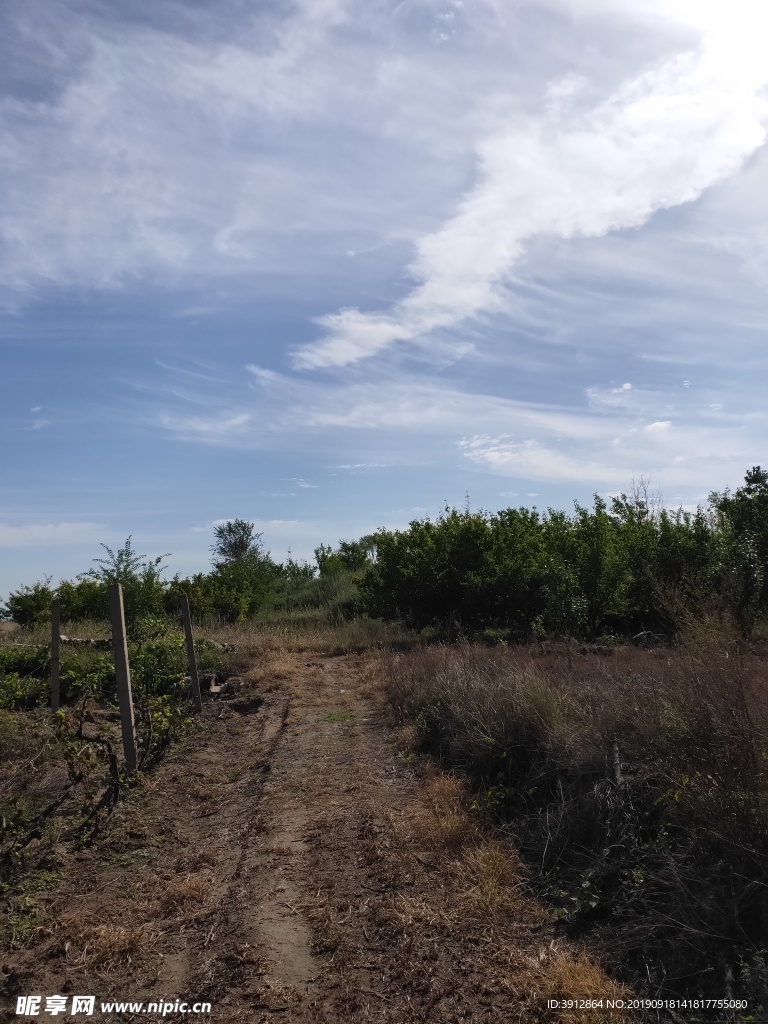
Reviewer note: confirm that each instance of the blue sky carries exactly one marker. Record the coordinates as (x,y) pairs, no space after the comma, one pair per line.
(329,264)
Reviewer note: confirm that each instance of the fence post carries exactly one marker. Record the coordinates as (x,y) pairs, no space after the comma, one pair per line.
(197,700)
(616,763)
(123,674)
(55,635)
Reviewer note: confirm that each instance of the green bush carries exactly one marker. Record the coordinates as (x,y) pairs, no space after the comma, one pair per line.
(84,600)
(21,691)
(30,606)
(631,568)
(143,587)
(82,670)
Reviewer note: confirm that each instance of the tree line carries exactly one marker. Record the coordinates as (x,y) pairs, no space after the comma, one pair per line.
(621,568)
(244,580)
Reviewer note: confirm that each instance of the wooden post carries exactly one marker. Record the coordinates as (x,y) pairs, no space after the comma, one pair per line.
(55,636)
(197,700)
(616,763)
(123,674)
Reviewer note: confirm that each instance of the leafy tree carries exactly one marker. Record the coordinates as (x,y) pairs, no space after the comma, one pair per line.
(296,573)
(328,561)
(466,570)
(743,522)
(236,541)
(143,587)
(244,572)
(352,556)
(565,607)
(598,564)
(199,589)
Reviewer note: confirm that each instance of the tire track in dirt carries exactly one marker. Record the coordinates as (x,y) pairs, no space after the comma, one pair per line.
(318,794)
(228,828)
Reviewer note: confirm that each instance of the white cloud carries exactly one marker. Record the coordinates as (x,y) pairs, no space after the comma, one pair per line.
(607,435)
(303,483)
(221,429)
(659,141)
(687,455)
(39,534)
(232,145)
(531,459)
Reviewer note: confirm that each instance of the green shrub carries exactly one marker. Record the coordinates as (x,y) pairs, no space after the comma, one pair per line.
(20,692)
(84,669)
(143,588)
(30,606)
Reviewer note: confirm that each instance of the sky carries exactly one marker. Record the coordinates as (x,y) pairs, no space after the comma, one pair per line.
(330,265)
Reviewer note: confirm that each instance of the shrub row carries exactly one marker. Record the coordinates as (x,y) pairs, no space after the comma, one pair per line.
(622,570)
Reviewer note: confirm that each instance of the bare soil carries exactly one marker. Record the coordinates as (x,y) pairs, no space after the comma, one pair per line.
(285,862)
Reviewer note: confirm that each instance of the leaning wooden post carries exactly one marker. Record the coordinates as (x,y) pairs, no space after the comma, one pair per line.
(123,674)
(194,685)
(55,638)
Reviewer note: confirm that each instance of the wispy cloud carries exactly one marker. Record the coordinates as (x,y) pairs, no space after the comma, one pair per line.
(221,429)
(303,484)
(605,434)
(686,454)
(659,141)
(533,460)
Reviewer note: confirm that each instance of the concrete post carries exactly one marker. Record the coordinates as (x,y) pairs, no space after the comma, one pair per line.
(123,674)
(55,666)
(197,699)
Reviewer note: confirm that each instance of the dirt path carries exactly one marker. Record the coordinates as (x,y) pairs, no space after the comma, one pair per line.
(285,864)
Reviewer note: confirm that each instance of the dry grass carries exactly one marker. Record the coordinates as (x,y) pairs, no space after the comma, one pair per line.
(557,972)
(184,893)
(492,882)
(254,638)
(203,792)
(108,946)
(273,665)
(483,899)
(196,858)
(631,855)
(440,815)
(41,634)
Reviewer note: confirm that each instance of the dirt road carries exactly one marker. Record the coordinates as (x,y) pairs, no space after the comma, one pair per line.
(286,863)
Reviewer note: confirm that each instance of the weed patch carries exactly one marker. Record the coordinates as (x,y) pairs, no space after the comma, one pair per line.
(338,716)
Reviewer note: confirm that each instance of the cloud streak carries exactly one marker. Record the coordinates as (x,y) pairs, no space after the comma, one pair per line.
(659,141)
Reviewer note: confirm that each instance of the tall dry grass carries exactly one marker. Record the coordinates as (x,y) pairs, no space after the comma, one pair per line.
(634,782)
(296,635)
